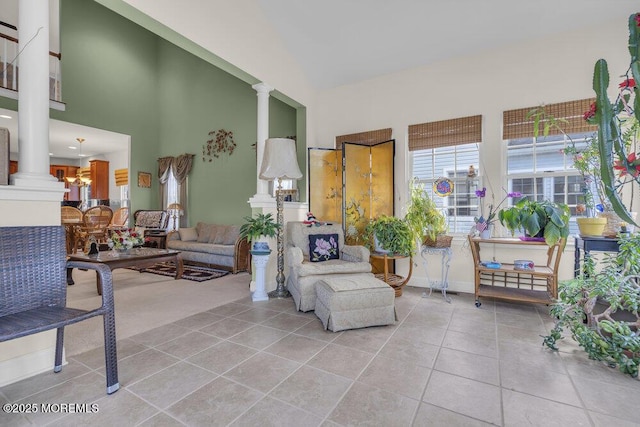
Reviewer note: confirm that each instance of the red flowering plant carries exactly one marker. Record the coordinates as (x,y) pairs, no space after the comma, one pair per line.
(618,129)
(482,221)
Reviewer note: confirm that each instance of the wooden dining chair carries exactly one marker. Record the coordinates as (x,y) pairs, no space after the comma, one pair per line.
(72,220)
(96,221)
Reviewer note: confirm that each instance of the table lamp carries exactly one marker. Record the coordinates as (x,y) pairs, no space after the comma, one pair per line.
(177,211)
(280,161)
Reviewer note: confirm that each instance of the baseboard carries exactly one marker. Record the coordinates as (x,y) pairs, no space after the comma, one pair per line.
(26,366)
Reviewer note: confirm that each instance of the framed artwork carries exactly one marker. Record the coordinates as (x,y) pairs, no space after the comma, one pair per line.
(144,179)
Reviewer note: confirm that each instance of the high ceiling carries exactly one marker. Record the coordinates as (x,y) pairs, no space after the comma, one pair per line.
(339,42)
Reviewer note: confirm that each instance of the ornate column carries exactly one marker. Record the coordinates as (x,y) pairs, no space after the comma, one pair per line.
(262,186)
(33,96)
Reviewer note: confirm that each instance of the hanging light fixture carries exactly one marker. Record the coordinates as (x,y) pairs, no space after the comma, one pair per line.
(82,178)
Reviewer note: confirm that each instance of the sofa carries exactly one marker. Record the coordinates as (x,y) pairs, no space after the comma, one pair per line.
(308,266)
(218,246)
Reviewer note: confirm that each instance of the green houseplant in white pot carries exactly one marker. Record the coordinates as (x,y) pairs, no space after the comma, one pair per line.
(256,229)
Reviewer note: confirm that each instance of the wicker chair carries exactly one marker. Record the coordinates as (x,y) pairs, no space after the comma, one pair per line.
(72,220)
(96,222)
(33,291)
(120,219)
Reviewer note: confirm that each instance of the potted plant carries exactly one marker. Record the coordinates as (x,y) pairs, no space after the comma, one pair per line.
(255,229)
(426,221)
(537,219)
(610,302)
(391,235)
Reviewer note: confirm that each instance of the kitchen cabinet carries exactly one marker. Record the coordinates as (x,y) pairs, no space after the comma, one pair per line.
(99,179)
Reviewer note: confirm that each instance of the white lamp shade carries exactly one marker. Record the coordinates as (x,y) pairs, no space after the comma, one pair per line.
(280,160)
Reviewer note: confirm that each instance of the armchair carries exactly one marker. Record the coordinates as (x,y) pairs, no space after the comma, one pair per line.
(303,274)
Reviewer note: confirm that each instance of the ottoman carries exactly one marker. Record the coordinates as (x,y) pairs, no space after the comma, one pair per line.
(354,302)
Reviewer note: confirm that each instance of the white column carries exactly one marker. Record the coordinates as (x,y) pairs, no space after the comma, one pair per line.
(33,96)
(263,89)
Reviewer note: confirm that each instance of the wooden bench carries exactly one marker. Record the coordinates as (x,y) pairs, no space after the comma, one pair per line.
(33,291)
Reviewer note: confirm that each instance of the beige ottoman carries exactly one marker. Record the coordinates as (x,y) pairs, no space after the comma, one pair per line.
(354,302)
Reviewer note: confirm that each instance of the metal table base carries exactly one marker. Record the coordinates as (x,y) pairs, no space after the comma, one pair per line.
(442,285)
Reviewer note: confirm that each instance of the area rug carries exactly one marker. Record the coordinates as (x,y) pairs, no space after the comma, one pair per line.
(191,272)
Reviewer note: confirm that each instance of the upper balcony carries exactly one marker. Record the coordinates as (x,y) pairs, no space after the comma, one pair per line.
(9,65)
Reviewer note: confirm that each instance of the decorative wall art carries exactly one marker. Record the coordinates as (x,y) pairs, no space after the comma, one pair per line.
(221,142)
(144,179)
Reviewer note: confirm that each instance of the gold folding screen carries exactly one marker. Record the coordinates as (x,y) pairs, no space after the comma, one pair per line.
(325,182)
(351,196)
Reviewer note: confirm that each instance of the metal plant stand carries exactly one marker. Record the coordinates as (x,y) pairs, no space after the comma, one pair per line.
(445,254)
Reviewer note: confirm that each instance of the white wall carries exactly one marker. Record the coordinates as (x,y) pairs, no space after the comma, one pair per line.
(545,71)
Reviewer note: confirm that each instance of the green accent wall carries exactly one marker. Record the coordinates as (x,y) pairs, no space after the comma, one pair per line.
(123,78)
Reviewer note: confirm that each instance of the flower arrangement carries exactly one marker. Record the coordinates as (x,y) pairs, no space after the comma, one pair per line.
(482,222)
(123,239)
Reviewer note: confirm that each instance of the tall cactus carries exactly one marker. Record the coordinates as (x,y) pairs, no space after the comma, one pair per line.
(610,138)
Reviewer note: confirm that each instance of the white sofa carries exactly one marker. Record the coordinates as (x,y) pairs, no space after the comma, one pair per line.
(304,274)
(218,246)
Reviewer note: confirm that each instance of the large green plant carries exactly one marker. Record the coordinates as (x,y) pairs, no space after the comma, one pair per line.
(423,215)
(533,217)
(260,225)
(393,234)
(610,301)
(610,118)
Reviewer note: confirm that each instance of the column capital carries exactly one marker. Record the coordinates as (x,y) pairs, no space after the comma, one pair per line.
(262,88)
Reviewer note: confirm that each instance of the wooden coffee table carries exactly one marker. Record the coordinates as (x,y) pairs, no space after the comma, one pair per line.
(137,257)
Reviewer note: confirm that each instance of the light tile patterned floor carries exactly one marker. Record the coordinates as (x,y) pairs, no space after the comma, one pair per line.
(259,364)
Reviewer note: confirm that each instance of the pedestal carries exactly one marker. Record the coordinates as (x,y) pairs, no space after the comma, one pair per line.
(260,260)
(443,284)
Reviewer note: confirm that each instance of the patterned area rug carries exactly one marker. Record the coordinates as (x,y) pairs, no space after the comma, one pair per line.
(191,272)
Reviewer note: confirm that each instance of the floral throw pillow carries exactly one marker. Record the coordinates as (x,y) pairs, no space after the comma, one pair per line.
(323,247)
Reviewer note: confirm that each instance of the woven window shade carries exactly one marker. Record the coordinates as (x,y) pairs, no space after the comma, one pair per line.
(516,125)
(122,177)
(365,138)
(444,133)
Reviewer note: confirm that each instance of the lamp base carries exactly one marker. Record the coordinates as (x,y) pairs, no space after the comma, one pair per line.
(279,293)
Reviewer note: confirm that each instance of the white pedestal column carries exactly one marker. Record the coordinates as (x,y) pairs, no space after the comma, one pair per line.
(33,96)
(260,261)
(262,187)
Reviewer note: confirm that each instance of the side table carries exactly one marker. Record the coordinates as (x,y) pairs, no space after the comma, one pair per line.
(445,254)
(156,239)
(588,244)
(393,280)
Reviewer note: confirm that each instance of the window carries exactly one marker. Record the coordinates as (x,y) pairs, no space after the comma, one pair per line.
(537,166)
(448,149)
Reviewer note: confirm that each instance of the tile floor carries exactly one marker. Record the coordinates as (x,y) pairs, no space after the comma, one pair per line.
(260,364)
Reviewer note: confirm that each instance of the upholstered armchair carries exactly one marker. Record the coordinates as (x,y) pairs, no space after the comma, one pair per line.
(308,265)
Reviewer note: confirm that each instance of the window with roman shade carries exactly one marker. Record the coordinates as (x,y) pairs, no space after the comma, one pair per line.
(449,149)
(537,166)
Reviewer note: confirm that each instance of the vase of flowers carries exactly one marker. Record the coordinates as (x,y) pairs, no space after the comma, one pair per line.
(485,224)
(124,239)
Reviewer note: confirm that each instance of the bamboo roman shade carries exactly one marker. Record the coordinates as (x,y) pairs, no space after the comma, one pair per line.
(444,133)
(515,123)
(122,177)
(365,138)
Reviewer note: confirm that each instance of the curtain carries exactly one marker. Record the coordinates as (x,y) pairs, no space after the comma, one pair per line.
(180,167)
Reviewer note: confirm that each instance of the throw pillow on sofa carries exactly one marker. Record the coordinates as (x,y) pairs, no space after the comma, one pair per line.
(188,234)
(204,231)
(323,247)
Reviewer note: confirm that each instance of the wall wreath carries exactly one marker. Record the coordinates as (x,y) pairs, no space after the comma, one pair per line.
(221,142)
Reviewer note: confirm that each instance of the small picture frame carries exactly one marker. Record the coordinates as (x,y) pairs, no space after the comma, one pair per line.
(144,179)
